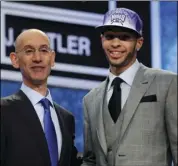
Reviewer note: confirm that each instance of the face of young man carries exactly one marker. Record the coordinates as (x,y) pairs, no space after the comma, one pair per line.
(120,49)
(34,58)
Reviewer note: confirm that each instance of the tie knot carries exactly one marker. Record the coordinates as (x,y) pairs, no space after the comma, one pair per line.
(46,103)
(117,81)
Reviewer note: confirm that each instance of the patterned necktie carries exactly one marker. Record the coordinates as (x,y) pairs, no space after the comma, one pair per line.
(50,133)
(115,101)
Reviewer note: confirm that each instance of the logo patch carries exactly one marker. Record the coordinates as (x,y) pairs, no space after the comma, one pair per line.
(118,17)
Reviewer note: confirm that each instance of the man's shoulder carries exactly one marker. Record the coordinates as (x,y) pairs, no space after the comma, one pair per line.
(162,72)
(94,91)
(159,72)
(5,101)
(8,103)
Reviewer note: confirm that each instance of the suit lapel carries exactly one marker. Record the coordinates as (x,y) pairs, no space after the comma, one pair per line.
(139,87)
(31,120)
(99,103)
(65,137)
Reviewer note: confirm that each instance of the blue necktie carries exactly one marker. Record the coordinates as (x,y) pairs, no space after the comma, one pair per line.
(50,133)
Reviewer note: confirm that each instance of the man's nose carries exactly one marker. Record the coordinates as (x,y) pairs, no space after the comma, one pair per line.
(116,42)
(37,56)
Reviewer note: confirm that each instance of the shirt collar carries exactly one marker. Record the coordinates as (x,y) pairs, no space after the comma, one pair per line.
(128,75)
(35,96)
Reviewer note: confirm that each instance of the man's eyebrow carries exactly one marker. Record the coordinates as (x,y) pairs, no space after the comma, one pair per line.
(28,46)
(44,45)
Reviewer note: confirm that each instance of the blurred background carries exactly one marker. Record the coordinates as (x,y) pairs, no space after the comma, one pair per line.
(80,62)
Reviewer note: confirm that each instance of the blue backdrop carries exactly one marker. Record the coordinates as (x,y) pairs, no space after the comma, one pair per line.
(168,17)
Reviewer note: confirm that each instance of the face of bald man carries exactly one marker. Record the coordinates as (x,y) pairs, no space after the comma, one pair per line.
(33,56)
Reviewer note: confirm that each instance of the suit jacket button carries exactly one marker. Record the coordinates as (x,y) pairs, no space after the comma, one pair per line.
(109,149)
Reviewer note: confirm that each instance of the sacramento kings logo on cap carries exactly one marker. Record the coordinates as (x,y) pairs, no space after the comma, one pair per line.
(124,18)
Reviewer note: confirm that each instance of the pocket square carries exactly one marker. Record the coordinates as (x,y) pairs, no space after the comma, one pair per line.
(150,98)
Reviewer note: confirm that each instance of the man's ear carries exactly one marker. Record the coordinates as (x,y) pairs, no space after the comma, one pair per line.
(14,60)
(101,37)
(139,43)
(53,55)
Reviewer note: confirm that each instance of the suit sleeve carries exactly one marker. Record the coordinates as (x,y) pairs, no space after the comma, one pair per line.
(75,161)
(3,136)
(89,158)
(171,117)
(3,143)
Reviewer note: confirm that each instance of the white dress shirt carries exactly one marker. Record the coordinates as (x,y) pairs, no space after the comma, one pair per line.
(35,97)
(127,76)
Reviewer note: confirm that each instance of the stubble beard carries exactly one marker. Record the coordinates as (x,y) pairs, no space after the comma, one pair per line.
(129,58)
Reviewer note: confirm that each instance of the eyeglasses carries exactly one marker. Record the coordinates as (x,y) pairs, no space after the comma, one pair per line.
(123,37)
(32,50)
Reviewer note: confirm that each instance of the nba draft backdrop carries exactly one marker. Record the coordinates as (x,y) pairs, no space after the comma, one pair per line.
(80,62)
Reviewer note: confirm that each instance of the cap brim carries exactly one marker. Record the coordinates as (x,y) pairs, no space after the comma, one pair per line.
(102,29)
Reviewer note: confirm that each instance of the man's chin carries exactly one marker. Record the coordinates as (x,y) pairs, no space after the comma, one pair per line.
(116,64)
(121,64)
(38,81)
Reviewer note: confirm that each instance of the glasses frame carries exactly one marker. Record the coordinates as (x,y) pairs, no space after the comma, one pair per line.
(23,50)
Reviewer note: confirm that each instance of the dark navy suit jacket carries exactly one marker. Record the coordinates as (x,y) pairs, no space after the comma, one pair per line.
(23,141)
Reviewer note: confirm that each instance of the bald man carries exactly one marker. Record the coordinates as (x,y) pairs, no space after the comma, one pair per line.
(35,131)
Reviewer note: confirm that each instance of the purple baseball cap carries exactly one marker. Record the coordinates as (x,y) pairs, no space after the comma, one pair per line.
(122,18)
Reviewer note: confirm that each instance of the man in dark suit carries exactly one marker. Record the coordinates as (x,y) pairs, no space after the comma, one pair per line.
(35,131)
(131,117)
